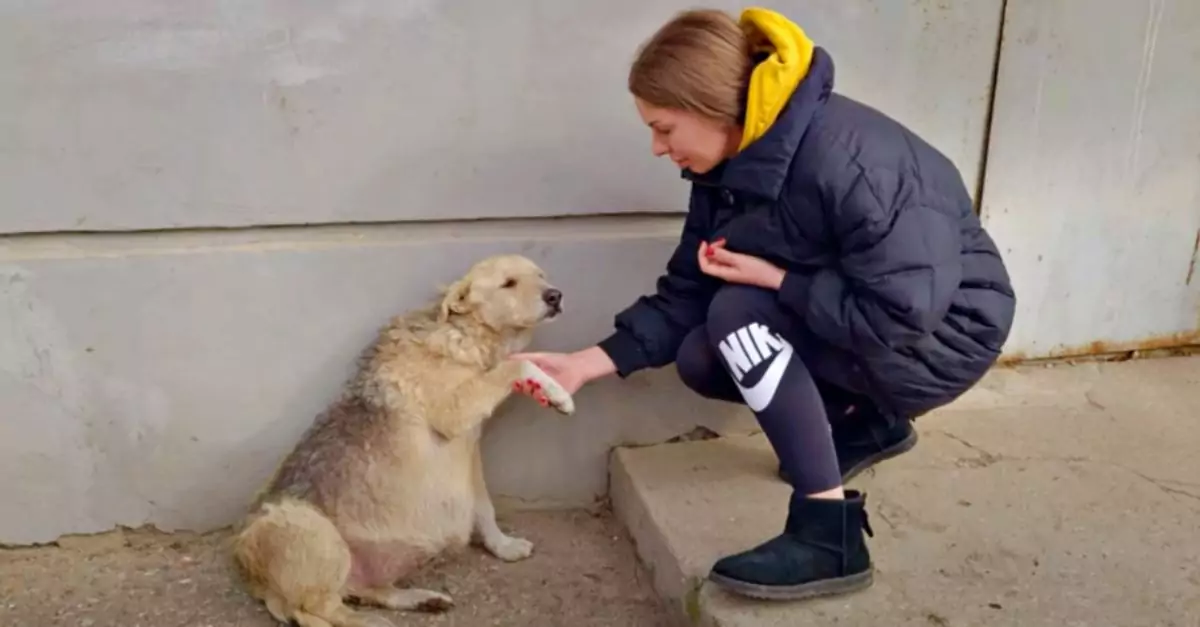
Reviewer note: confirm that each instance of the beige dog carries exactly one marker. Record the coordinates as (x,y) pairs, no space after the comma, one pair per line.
(390,475)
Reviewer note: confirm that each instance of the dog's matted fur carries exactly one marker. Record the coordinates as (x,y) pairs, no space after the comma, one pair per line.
(390,475)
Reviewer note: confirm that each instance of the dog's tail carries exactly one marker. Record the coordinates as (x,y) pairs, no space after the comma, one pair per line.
(293,559)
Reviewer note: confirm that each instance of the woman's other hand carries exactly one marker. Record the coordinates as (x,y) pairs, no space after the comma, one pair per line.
(572,370)
(733,267)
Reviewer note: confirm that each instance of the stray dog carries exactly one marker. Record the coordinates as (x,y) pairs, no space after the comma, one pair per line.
(390,474)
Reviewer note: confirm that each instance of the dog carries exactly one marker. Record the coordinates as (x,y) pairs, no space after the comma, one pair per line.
(390,475)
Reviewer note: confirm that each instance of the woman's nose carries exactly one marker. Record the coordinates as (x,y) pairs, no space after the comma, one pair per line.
(658,147)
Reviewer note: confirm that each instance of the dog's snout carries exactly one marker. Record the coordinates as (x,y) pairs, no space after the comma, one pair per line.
(552,297)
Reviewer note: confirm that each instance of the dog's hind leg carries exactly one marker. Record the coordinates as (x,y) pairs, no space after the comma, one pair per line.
(297,563)
(378,564)
(277,608)
(404,599)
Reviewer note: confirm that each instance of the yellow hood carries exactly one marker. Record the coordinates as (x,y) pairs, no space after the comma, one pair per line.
(774,79)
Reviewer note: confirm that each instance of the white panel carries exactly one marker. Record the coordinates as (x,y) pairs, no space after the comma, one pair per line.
(133,114)
(1093,181)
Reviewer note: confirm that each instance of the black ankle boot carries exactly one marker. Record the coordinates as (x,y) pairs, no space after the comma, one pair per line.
(863,440)
(821,552)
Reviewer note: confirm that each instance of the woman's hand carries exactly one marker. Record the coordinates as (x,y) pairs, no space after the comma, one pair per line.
(738,268)
(571,370)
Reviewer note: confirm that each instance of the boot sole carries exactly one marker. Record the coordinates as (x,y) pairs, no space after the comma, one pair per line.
(899,448)
(814,589)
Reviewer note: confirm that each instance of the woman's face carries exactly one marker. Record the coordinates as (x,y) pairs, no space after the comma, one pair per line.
(692,141)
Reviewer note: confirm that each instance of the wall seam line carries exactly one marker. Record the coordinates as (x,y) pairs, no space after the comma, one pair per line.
(989,115)
(628,220)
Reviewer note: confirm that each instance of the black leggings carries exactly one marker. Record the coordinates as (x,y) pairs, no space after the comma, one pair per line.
(752,351)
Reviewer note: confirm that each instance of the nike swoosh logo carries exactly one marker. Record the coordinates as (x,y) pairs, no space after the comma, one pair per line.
(763,392)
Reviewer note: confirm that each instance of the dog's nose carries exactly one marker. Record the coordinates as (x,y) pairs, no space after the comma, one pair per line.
(552,297)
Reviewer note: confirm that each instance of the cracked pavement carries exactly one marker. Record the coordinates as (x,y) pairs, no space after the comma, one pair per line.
(1047,496)
(986,459)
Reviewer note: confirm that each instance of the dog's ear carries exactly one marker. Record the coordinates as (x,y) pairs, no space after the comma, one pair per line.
(454,300)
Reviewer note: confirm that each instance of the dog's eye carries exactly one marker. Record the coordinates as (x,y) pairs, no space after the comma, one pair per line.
(510,283)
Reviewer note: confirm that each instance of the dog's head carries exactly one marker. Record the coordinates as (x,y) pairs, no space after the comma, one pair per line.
(505,293)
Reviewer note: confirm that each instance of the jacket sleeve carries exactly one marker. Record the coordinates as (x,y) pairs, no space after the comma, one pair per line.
(898,268)
(649,332)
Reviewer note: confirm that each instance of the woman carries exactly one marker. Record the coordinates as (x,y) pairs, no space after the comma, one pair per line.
(831,273)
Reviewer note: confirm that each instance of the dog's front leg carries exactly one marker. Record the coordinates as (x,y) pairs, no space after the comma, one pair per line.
(486,531)
(469,404)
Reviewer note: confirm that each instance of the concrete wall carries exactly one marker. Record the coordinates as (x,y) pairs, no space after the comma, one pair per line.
(135,114)
(1093,173)
(153,371)
(159,380)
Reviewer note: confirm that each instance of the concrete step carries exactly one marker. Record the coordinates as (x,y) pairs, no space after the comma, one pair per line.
(1062,496)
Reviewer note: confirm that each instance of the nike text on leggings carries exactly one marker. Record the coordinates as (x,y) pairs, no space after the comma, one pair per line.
(744,348)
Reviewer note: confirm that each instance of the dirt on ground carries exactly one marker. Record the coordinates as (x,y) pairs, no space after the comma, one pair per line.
(583,572)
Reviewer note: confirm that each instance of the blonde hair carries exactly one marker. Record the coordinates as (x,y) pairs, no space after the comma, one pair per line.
(700,62)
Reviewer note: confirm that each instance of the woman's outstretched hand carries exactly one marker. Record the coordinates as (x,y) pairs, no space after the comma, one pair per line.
(733,267)
(571,370)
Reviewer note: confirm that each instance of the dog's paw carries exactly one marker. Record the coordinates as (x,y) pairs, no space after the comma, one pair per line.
(535,382)
(436,603)
(510,549)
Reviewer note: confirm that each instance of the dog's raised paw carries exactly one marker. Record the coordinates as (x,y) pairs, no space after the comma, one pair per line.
(533,377)
(511,549)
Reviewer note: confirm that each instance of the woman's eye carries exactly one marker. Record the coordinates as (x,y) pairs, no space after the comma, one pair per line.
(510,283)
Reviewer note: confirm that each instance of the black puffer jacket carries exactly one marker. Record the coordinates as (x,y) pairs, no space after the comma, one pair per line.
(885,256)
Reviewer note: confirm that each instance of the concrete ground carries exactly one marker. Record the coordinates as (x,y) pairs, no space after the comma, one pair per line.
(1046,497)
(583,572)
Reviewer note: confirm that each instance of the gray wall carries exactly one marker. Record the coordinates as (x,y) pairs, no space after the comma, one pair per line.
(1093,173)
(136,114)
(154,369)
(158,379)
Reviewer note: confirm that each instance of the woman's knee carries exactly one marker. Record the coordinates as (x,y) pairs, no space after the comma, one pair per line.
(696,362)
(734,306)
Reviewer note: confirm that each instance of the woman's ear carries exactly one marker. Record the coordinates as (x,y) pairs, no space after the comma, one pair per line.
(454,301)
